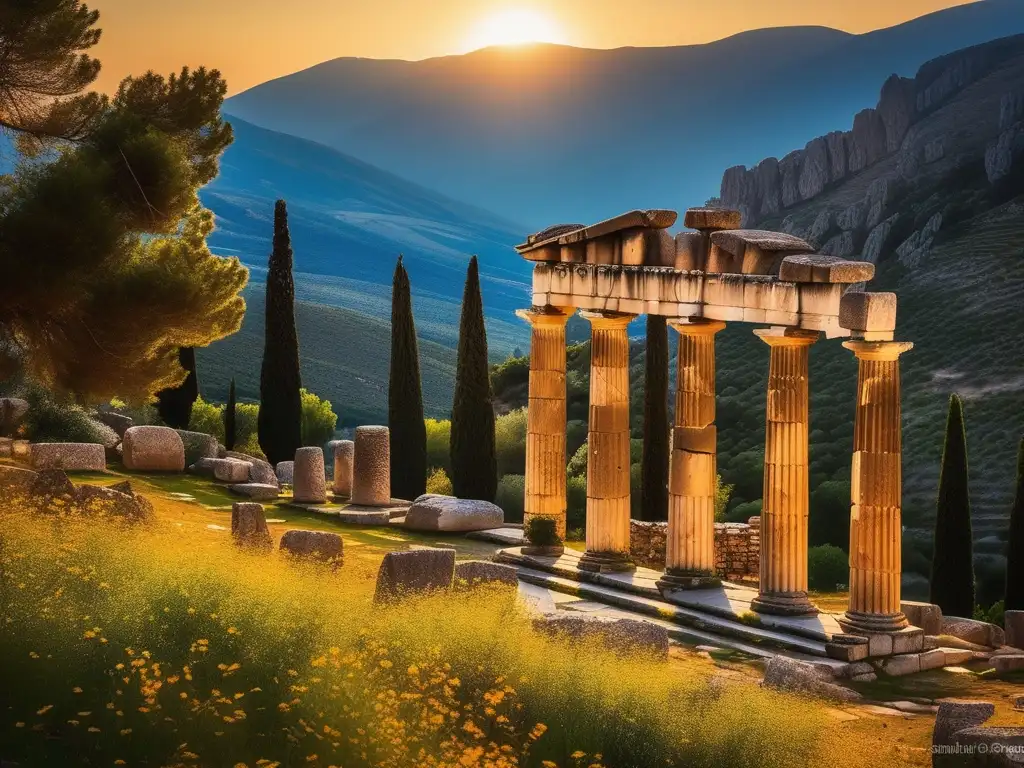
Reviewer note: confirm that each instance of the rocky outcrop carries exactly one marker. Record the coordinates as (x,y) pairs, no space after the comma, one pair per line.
(1000,154)
(916,248)
(877,133)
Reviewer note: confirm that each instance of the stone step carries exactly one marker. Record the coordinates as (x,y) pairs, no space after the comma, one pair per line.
(712,627)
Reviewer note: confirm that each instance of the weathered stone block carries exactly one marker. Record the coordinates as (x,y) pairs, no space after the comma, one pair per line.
(712,218)
(310,480)
(118,500)
(691,251)
(861,311)
(69,456)
(414,571)
(285,471)
(822,268)
(932,659)
(371,472)
(153,449)
(261,472)
(624,635)
(927,616)
(787,674)
(229,470)
(955,716)
(897,666)
(344,453)
(484,571)
(978,632)
(249,525)
(1013,621)
(432,512)
(849,648)
(1008,663)
(198,445)
(256,491)
(908,640)
(316,545)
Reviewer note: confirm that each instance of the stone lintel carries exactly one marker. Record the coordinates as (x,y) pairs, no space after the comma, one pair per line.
(658,218)
(821,268)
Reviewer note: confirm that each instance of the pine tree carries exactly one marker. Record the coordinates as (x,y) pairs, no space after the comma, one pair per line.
(229,418)
(174,404)
(952,583)
(654,469)
(473,457)
(405,396)
(1015,550)
(280,416)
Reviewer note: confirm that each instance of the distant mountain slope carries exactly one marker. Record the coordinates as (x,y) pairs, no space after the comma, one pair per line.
(551,133)
(941,213)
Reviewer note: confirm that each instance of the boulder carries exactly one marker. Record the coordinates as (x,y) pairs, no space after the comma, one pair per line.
(973,631)
(992,747)
(622,635)
(309,485)
(317,545)
(344,453)
(414,571)
(52,484)
(480,571)
(786,674)
(256,491)
(16,480)
(230,470)
(153,449)
(1004,663)
(69,456)
(12,413)
(1013,621)
(198,445)
(371,467)
(896,107)
(285,472)
(116,421)
(432,512)
(144,504)
(261,472)
(927,616)
(113,500)
(203,467)
(249,525)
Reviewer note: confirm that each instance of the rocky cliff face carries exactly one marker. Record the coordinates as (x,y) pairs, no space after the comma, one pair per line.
(776,185)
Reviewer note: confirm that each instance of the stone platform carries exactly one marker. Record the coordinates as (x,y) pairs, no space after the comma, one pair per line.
(356,514)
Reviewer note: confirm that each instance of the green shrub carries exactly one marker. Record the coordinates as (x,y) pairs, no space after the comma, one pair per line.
(743,512)
(828,568)
(541,532)
(438,482)
(511,497)
(510,442)
(52,420)
(577,466)
(576,502)
(829,521)
(439,434)
(722,493)
(207,418)
(996,613)
(318,419)
(246,419)
(512,373)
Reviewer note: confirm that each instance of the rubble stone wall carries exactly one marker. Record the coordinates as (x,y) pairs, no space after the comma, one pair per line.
(737,547)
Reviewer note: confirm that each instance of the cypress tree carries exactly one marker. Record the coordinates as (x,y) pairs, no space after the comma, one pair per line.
(952,583)
(473,457)
(1015,552)
(405,396)
(654,469)
(175,403)
(280,418)
(229,418)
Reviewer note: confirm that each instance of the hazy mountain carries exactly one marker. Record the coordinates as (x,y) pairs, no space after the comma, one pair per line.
(553,133)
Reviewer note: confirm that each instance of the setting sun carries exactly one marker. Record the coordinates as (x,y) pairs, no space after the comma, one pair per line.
(515,26)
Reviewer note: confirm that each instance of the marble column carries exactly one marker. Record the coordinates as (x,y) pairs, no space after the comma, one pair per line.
(690,545)
(546,419)
(783,587)
(608,445)
(876,490)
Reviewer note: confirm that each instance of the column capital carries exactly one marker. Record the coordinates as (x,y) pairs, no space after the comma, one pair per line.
(545,315)
(787,337)
(878,350)
(698,327)
(607,320)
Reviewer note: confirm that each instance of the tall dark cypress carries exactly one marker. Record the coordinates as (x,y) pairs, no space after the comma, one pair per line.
(654,469)
(280,417)
(175,404)
(1015,552)
(473,457)
(952,584)
(405,396)
(229,419)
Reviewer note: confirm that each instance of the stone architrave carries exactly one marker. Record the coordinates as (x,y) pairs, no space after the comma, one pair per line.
(690,544)
(344,452)
(153,449)
(783,586)
(310,479)
(876,490)
(546,417)
(607,535)
(371,468)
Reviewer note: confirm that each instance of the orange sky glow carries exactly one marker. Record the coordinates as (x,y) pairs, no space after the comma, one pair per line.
(252,41)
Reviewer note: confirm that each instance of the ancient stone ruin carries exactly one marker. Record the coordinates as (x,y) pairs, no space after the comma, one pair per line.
(618,269)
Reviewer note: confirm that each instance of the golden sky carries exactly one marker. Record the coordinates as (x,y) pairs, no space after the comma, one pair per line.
(252,41)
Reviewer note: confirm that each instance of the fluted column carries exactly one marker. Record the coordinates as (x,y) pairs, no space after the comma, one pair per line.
(690,545)
(545,419)
(608,445)
(783,588)
(876,489)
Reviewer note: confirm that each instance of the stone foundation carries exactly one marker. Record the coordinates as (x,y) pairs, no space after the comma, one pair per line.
(737,547)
